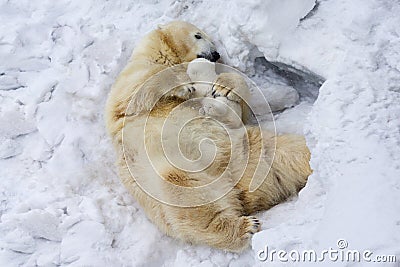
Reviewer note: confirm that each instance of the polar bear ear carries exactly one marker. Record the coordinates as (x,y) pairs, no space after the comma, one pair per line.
(160,26)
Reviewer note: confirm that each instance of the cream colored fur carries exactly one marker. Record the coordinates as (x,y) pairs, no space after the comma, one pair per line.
(136,113)
(230,108)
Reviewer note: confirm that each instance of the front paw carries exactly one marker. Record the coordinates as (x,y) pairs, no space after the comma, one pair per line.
(183,91)
(232,86)
(224,91)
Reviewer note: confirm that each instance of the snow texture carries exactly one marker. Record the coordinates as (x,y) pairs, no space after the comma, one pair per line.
(61,202)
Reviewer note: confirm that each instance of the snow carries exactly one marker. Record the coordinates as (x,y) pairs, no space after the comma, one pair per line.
(61,202)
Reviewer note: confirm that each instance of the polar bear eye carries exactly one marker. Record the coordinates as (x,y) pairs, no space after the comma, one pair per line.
(197,35)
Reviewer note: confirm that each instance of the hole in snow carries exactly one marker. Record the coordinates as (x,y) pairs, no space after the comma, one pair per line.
(290,92)
(305,82)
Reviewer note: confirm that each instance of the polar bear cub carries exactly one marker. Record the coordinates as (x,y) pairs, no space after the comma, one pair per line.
(202,72)
(223,95)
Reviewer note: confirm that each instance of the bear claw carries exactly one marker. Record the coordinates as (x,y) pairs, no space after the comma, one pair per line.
(254,225)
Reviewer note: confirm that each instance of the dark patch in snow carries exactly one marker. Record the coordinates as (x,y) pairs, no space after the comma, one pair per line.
(312,11)
(304,81)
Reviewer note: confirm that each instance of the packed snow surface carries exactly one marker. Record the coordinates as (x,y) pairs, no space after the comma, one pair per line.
(61,202)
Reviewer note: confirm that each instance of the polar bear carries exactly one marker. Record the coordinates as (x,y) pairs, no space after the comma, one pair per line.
(192,173)
(202,72)
(232,109)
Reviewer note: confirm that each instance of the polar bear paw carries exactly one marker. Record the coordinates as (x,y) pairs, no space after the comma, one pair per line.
(222,109)
(224,91)
(183,91)
(231,86)
(252,225)
(212,109)
(249,225)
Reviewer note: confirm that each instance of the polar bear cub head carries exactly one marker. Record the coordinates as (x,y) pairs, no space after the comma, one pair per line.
(201,69)
(202,73)
(188,41)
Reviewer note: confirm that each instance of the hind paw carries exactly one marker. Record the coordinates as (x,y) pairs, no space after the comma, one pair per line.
(251,225)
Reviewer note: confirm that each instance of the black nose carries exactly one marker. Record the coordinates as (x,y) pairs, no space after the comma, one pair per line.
(215,56)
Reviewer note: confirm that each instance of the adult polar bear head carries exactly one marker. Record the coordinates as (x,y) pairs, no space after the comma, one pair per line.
(177,42)
(169,45)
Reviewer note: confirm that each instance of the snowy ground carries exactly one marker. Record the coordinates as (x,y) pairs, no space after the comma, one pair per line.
(61,202)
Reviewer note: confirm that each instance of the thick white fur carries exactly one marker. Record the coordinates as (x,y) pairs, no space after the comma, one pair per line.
(228,108)
(138,118)
(202,72)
